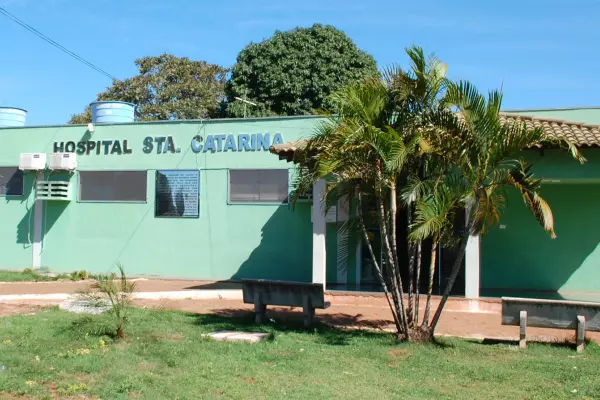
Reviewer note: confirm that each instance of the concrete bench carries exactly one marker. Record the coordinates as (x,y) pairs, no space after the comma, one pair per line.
(261,293)
(556,314)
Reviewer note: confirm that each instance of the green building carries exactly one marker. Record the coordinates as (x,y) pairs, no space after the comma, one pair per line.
(209,200)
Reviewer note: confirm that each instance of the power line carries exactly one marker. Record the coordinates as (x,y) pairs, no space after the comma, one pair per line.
(55,44)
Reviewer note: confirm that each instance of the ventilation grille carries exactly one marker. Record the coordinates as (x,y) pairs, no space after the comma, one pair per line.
(54,190)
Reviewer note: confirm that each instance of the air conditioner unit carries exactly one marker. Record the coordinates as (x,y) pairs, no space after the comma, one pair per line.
(54,190)
(62,161)
(32,162)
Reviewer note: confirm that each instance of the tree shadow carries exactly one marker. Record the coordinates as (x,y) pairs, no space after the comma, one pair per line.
(52,210)
(287,321)
(568,343)
(219,285)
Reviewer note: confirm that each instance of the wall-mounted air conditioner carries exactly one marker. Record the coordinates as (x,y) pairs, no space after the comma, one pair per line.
(62,161)
(54,190)
(32,162)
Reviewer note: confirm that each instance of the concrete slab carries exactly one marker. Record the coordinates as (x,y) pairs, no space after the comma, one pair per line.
(236,336)
(85,306)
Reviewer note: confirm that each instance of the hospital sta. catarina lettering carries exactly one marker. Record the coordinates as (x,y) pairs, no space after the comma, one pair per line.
(166,144)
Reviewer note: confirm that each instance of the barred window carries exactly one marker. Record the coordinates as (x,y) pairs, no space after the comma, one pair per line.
(113,186)
(258,185)
(11,181)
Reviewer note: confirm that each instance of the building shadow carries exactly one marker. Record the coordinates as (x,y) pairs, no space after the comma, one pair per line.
(285,248)
(51,210)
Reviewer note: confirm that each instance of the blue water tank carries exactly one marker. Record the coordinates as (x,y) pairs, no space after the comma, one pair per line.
(112,112)
(10,116)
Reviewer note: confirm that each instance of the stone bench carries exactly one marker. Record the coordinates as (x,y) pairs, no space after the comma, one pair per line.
(557,314)
(261,293)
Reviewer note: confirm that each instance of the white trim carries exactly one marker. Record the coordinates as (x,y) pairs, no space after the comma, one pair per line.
(472,268)
(319,260)
(36,247)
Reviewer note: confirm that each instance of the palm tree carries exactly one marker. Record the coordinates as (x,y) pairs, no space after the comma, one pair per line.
(367,150)
(484,156)
(361,155)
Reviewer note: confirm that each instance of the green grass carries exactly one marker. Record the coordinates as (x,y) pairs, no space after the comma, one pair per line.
(29,275)
(54,353)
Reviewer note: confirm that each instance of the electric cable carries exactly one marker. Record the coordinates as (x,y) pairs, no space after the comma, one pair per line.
(54,43)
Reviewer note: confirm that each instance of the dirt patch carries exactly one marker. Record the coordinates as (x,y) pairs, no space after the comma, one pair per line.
(174,337)
(15,309)
(398,354)
(13,396)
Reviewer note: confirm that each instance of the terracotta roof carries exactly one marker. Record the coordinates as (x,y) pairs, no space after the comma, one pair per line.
(582,135)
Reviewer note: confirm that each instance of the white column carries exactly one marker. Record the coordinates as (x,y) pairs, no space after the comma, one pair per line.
(472,268)
(36,246)
(318,220)
(343,210)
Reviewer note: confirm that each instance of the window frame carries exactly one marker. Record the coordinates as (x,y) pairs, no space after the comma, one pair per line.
(79,187)
(22,182)
(257,202)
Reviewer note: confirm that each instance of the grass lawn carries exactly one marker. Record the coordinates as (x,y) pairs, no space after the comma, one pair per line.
(55,354)
(32,276)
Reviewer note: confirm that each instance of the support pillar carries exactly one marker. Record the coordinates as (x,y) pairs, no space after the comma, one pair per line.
(472,268)
(36,246)
(319,227)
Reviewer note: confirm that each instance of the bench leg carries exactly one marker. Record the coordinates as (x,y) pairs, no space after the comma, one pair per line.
(259,309)
(580,333)
(309,311)
(523,330)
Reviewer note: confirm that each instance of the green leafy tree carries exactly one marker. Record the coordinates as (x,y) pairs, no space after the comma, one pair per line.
(168,87)
(294,72)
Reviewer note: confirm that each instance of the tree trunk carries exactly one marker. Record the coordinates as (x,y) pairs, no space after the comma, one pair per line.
(417,284)
(411,277)
(430,285)
(397,322)
(120,332)
(391,260)
(455,270)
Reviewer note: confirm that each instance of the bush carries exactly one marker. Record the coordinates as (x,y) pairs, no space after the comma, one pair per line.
(118,291)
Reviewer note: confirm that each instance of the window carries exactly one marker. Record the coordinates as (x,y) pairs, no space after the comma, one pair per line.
(11,181)
(112,186)
(258,186)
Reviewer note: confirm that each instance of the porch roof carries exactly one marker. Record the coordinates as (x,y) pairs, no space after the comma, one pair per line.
(580,134)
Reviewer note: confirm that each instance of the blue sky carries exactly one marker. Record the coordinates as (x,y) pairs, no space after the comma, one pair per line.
(544,53)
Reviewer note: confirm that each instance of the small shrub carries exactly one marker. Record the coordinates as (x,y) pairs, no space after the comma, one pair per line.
(83,275)
(74,276)
(28,271)
(118,291)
